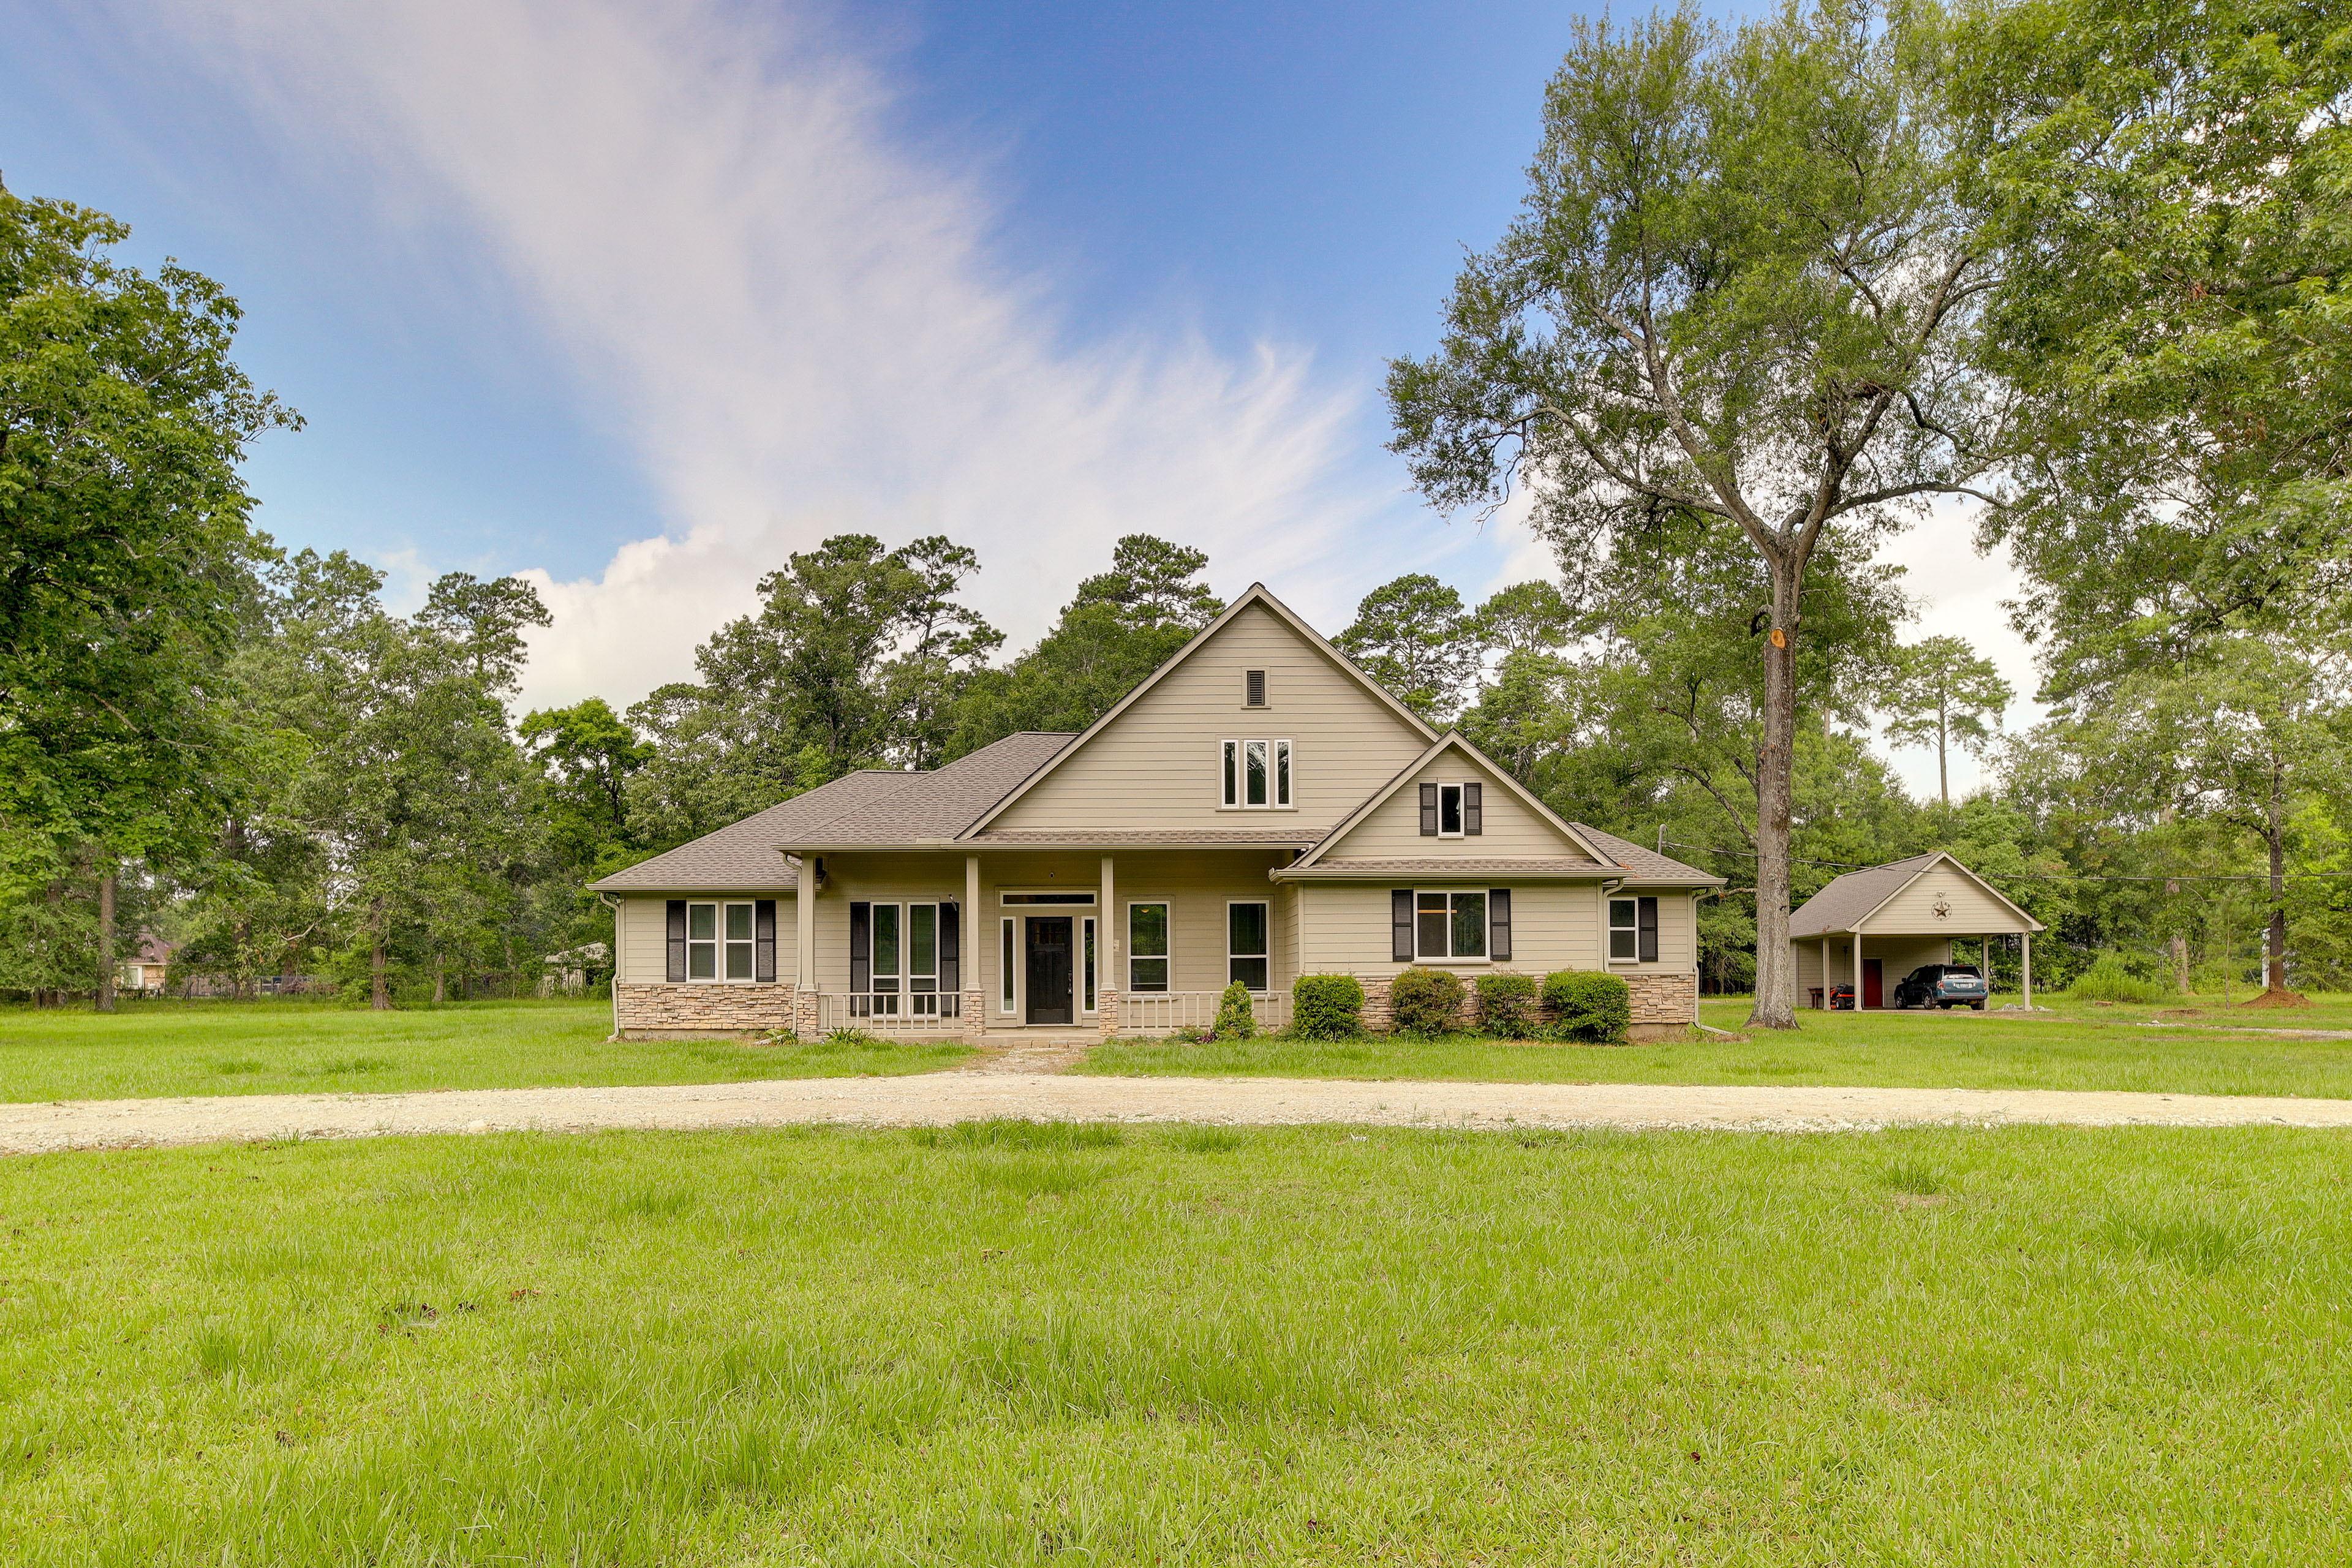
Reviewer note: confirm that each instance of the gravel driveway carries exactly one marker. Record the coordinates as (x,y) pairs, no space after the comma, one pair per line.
(939,1099)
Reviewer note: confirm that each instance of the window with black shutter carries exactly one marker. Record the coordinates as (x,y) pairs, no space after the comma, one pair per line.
(951,949)
(677,941)
(1499,923)
(1649,929)
(1429,811)
(1473,808)
(763,941)
(1400,946)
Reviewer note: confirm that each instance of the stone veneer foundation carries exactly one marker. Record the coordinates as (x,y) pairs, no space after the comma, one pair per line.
(640,1009)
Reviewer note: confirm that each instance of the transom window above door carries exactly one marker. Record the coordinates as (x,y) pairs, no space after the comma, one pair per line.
(1254,775)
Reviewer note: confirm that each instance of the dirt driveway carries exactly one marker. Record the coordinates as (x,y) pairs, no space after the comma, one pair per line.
(939,1099)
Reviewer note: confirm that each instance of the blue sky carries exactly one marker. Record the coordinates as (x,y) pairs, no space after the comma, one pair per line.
(636,297)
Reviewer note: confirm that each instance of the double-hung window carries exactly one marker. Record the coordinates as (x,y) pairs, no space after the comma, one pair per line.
(903,960)
(1247,949)
(1254,775)
(1449,925)
(718,941)
(1634,931)
(1147,947)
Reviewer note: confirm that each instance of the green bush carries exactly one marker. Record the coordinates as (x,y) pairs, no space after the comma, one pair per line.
(2110,979)
(1506,1006)
(1588,1007)
(1326,1007)
(1235,1021)
(1425,1001)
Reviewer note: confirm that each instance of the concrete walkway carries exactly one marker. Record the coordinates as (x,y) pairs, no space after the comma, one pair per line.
(939,1099)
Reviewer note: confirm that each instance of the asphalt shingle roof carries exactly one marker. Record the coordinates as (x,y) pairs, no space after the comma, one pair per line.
(1845,900)
(1647,864)
(880,806)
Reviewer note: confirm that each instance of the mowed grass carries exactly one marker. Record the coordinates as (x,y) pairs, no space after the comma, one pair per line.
(1010,1344)
(290,1046)
(2098,1049)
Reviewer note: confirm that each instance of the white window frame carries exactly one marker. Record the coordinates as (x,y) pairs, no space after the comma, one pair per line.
(1632,928)
(1007,999)
(1265,958)
(1461,820)
(1485,925)
(1277,756)
(719,946)
(1167,928)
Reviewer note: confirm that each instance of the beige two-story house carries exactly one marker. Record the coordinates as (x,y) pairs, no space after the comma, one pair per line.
(1256,810)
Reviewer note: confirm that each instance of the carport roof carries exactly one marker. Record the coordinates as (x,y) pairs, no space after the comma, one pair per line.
(1847,902)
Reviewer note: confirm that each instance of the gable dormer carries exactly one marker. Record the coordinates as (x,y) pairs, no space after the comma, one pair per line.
(1255,724)
(1453,803)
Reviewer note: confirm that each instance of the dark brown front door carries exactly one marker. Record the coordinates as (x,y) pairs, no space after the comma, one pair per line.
(1873,984)
(1049,969)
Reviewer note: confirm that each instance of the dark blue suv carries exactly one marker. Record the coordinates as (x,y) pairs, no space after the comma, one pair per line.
(1942,986)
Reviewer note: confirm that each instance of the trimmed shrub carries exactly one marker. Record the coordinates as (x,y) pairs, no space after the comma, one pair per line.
(1506,1006)
(1425,1001)
(1326,1007)
(2110,979)
(1588,1007)
(1235,1021)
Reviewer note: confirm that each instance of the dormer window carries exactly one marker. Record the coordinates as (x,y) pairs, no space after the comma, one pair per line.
(1253,689)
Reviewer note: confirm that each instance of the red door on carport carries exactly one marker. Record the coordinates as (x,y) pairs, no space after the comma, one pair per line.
(1873,984)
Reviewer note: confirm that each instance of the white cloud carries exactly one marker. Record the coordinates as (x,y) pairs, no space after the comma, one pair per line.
(796,326)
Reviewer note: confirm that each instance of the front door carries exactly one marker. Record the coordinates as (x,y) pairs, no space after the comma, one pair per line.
(1049,969)
(1873,984)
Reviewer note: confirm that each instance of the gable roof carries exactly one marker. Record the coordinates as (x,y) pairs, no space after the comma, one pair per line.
(1255,594)
(1845,902)
(1450,740)
(876,807)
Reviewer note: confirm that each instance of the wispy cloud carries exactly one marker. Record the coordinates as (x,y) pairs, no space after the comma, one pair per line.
(796,325)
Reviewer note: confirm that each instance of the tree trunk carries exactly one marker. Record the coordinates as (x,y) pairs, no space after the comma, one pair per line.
(106,889)
(379,991)
(2275,831)
(1776,964)
(1943,769)
(440,980)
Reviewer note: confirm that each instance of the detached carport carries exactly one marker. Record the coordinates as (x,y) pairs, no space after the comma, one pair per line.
(1869,927)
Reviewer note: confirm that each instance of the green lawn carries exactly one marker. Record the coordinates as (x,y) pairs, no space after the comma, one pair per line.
(1171,1346)
(2086,1047)
(164,1048)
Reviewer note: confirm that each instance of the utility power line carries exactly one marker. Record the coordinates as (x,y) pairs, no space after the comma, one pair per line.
(2027,876)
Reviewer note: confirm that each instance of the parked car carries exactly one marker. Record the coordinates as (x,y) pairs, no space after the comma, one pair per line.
(1942,986)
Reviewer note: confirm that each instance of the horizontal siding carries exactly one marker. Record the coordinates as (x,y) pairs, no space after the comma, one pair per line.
(1156,766)
(1913,911)
(1508,826)
(1345,930)
(644,930)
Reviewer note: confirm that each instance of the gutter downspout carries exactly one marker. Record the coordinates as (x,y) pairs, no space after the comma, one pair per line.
(607,900)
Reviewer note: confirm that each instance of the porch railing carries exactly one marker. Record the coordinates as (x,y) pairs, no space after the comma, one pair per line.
(891,1012)
(1165,1012)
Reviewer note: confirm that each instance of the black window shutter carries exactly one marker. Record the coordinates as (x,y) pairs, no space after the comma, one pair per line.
(763,940)
(1401,922)
(1429,811)
(951,948)
(1648,917)
(676,939)
(1472,810)
(1498,923)
(861,947)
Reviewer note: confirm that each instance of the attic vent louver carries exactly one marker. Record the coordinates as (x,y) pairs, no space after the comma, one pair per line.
(1253,689)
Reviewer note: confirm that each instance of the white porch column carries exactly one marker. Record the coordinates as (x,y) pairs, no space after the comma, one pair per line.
(976,933)
(1857,972)
(2025,961)
(806,1020)
(1825,972)
(1107,969)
